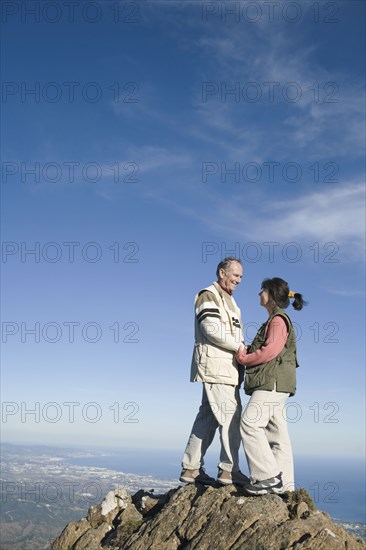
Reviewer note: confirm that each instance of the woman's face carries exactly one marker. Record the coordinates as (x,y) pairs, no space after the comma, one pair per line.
(264,297)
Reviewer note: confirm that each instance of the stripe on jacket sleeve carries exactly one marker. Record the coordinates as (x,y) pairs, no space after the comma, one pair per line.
(208,312)
(211,315)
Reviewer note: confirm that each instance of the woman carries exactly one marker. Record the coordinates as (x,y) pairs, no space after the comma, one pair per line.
(270,379)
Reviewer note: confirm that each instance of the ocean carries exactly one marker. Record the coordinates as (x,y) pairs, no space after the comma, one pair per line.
(336,485)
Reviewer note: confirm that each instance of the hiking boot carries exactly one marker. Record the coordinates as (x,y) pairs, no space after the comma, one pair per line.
(196,476)
(227,478)
(265,487)
(240,479)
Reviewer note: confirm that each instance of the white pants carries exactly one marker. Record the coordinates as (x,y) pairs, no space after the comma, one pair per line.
(220,408)
(265,437)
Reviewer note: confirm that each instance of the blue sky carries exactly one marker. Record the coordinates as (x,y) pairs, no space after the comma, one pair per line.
(159,137)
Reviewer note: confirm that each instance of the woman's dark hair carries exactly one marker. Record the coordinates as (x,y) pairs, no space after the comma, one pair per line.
(279,292)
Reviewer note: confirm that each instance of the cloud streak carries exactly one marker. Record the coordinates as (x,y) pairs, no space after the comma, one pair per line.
(329,109)
(331,215)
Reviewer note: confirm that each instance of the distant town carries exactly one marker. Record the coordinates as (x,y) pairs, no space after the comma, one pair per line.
(41,492)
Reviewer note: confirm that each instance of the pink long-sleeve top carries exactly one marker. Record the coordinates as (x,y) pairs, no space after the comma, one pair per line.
(277,334)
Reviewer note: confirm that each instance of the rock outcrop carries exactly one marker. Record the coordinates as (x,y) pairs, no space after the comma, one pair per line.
(195,517)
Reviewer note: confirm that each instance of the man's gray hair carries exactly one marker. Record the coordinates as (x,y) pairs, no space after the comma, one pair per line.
(225,264)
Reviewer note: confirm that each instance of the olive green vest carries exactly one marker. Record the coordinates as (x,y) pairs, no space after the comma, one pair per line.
(280,370)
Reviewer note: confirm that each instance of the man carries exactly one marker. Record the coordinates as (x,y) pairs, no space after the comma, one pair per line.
(218,336)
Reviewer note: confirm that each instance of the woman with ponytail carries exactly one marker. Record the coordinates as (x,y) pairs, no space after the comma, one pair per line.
(270,378)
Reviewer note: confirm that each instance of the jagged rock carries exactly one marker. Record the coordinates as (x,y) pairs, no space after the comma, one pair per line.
(91,539)
(109,507)
(299,504)
(195,517)
(125,524)
(302,510)
(146,503)
(72,532)
(88,533)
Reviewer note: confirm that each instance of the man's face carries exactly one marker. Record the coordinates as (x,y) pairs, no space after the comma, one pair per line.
(231,278)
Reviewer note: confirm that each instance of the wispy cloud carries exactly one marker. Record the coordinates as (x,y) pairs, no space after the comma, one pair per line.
(152,158)
(264,52)
(329,109)
(347,293)
(331,215)
(150,164)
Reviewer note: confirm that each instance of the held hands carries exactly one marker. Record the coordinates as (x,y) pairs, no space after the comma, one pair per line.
(241,353)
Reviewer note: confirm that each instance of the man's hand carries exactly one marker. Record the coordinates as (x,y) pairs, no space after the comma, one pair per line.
(241,353)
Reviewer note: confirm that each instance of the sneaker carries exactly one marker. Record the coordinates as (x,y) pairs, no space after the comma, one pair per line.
(227,478)
(265,487)
(196,476)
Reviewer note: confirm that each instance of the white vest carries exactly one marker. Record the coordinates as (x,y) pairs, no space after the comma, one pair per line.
(214,360)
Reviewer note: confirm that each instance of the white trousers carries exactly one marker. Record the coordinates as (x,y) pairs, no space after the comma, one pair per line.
(220,408)
(265,437)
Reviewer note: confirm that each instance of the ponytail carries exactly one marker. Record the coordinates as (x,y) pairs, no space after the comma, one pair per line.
(298,302)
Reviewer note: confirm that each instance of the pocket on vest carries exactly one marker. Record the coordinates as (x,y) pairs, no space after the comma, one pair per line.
(219,363)
(254,378)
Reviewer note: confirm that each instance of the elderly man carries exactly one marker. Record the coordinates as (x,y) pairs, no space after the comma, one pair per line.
(218,336)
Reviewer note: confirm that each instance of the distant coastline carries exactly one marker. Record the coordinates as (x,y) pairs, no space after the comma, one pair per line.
(336,486)
(43,475)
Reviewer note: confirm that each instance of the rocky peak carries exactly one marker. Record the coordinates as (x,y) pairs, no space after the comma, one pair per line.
(195,517)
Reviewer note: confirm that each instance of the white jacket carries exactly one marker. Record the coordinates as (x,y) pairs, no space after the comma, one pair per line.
(218,334)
